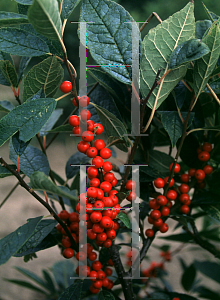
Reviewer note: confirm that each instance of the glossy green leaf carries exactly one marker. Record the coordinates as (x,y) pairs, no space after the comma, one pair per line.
(9,72)
(204,66)
(201,28)
(22,67)
(51,121)
(76,159)
(72,292)
(160,161)
(212,16)
(19,146)
(31,160)
(110,43)
(6,106)
(27,118)
(62,128)
(47,74)
(68,7)
(188,51)
(124,218)
(27,285)
(10,18)
(45,18)
(21,42)
(188,277)
(173,124)
(157,47)
(5,173)
(11,243)
(105,295)
(39,181)
(113,126)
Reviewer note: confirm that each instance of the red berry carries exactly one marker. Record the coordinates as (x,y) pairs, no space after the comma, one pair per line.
(111,234)
(107,201)
(114,182)
(83,146)
(100,194)
(110,285)
(96,265)
(83,101)
(207,147)
(105,153)
(98,128)
(176,298)
(101,237)
(149,233)
(99,144)
(107,243)
(108,271)
(93,290)
(184,188)
(172,194)
(74,120)
(95,182)
(77,130)
(91,152)
(107,166)
(192,172)
(185,209)
(85,115)
(92,192)
(64,215)
(208,169)
(184,178)
(171,181)
(130,185)
(91,234)
(96,217)
(81,256)
(176,169)
(66,242)
(159,183)
(106,222)
(73,217)
(68,252)
(165,211)
(88,136)
(161,200)
(200,174)
(164,228)
(131,196)
(158,222)
(150,220)
(97,162)
(204,156)
(184,198)
(106,186)
(97,284)
(90,125)
(92,172)
(66,87)
(93,274)
(97,228)
(105,281)
(153,204)
(155,214)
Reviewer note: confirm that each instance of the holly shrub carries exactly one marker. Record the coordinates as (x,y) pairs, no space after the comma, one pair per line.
(174,197)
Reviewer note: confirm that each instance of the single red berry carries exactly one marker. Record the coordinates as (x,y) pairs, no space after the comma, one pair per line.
(68,252)
(92,172)
(100,194)
(107,243)
(95,182)
(159,183)
(90,125)
(93,290)
(91,152)
(91,234)
(171,194)
(81,256)
(184,178)
(101,237)
(89,207)
(74,217)
(185,209)
(105,281)
(114,182)
(93,274)
(82,146)
(131,196)
(96,217)
(77,130)
(88,136)
(92,192)
(171,181)
(158,222)
(97,228)
(110,285)
(74,120)
(130,185)
(176,169)
(107,201)
(198,150)
(66,242)
(108,271)
(192,172)
(85,270)
(208,169)
(64,215)
(85,115)
(89,248)
(97,284)
(165,211)
(150,220)
(164,228)
(66,86)
(107,166)
(98,128)
(106,222)
(153,204)
(149,233)
(105,153)
(74,102)
(59,227)
(200,174)
(155,214)
(204,156)
(111,234)
(110,262)
(99,144)
(184,198)
(207,147)
(161,200)
(96,265)
(114,199)
(97,161)
(106,186)
(83,101)
(184,188)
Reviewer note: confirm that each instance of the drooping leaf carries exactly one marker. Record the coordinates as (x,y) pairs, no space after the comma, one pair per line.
(11,243)
(51,121)
(188,51)
(27,285)
(27,118)
(23,65)
(39,181)
(45,18)
(6,106)
(209,269)
(47,74)
(72,292)
(157,47)
(49,281)
(9,72)
(68,7)
(105,295)
(31,160)
(188,277)
(21,42)
(201,27)
(41,231)
(173,124)
(19,146)
(204,66)
(124,218)
(110,43)
(9,18)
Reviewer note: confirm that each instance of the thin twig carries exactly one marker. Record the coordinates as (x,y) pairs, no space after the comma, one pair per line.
(149,18)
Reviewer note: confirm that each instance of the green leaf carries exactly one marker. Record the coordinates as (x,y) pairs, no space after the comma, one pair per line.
(31,160)
(209,269)
(207,293)
(110,43)
(212,210)
(47,74)
(201,28)
(181,237)
(204,66)
(124,218)
(45,18)
(157,47)
(9,72)
(186,52)
(120,144)
(105,295)
(160,161)
(27,285)
(23,9)
(173,124)
(11,243)
(41,231)
(62,128)
(27,118)
(10,18)
(215,85)
(28,43)
(72,292)
(159,295)
(75,159)
(68,7)
(212,16)
(23,65)
(51,121)
(18,145)
(39,181)
(6,106)
(62,271)
(4,172)
(113,126)
(25,2)
(188,277)
(49,281)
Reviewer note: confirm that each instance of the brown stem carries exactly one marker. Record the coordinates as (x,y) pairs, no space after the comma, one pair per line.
(149,18)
